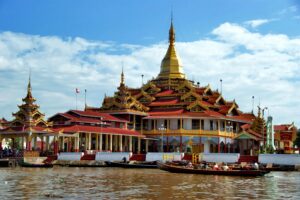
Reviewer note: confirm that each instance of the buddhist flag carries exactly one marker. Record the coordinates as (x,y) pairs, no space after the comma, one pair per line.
(77,90)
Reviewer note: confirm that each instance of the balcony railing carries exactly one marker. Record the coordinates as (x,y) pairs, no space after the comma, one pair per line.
(189,132)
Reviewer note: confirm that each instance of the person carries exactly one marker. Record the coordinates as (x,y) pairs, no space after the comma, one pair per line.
(124,159)
(216,167)
(225,167)
(190,165)
(256,167)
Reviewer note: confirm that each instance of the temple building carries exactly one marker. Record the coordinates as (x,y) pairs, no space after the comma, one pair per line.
(285,135)
(178,115)
(94,131)
(28,127)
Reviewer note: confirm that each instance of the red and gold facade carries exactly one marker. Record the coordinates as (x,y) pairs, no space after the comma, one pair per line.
(284,137)
(175,114)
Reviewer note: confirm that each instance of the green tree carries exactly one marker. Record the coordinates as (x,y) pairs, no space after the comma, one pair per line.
(297,141)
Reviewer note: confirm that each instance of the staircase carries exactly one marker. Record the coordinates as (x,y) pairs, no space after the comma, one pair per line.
(88,157)
(138,157)
(248,159)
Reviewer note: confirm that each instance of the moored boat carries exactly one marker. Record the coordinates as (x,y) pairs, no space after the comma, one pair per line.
(183,169)
(36,165)
(132,164)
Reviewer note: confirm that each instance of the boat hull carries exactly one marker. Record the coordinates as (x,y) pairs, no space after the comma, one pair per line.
(181,169)
(128,165)
(31,165)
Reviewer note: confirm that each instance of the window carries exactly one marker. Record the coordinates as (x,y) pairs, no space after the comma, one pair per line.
(195,124)
(211,122)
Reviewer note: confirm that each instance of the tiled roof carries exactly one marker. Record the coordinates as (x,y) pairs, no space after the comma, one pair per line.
(97,129)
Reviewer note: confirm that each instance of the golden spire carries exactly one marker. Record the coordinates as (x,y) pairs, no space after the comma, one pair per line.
(122,77)
(170,66)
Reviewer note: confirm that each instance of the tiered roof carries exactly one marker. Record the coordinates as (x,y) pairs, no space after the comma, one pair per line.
(28,118)
(171,94)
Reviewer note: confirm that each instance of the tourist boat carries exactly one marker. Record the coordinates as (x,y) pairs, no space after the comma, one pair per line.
(36,165)
(132,164)
(183,169)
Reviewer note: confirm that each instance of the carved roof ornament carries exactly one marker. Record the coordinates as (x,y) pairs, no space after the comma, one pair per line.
(122,99)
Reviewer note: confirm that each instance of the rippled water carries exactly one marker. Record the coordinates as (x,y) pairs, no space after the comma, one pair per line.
(116,183)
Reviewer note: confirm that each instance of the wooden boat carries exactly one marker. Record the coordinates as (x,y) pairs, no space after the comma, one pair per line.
(132,165)
(36,165)
(183,169)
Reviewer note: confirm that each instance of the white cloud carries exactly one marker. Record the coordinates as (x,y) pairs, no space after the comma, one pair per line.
(250,63)
(290,9)
(257,22)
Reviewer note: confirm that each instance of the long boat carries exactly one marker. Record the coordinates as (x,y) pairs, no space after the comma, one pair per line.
(36,165)
(131,165)
(183,169)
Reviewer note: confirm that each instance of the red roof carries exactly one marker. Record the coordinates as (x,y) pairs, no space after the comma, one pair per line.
(283,127)
(164,102)
(80,119)
(90,113)
(164,93)
(98,129)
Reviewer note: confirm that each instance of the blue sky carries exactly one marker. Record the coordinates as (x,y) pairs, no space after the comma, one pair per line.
(253,46)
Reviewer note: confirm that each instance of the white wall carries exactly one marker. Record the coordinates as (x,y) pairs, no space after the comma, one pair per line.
(153,156)
(220,157)
(70,156)
(187,124)
(174,124)
(206,124)
(112,156)
(281,159)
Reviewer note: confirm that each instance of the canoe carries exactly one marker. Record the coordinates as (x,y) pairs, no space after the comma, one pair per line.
(131,165)
(183,169)
(34,165)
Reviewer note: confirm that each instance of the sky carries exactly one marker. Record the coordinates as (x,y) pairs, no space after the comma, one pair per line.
(253,46)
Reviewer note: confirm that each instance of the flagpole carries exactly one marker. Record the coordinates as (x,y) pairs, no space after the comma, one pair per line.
(85,98)
(76,99)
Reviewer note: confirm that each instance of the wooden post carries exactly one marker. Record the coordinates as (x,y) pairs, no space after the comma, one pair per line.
(147,146)
(97,142)
(120,143)
(110,143)
(90,141)
(100,148)
(139,145)
(130,143)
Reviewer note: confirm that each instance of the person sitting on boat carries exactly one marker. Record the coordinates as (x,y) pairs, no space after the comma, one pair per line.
(225,167)
(124,159)
(216,167)
(255,166)
(189,165)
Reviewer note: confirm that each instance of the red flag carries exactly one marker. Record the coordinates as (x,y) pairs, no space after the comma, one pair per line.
(77,90)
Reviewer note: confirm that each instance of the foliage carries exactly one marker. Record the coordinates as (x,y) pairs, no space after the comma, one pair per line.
(297,140)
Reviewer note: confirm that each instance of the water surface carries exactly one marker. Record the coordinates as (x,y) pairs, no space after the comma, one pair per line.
(116,183)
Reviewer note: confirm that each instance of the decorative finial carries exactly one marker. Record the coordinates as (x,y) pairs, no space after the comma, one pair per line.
(171,32)
(122,75)
(29,81)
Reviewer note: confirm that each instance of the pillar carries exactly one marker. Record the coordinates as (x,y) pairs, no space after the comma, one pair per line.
(218,144)
(134,122)
(115,140)
(100,142)
(106,142)
(139,145)
(90,141)
(42,143)
(120,143)
(97,142)
(22,143)
(147,146)
(34,142)
(180,144)
(111,142)
(130,143)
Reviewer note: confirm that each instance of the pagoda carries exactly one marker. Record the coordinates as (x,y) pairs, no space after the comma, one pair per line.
(28,125)
(177,114)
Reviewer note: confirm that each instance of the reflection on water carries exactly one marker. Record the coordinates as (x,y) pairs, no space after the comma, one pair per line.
(116,183)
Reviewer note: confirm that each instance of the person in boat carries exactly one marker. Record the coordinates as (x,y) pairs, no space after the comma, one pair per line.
(189,165)
(216,167)
(225,167)
(124,159)
(255,166)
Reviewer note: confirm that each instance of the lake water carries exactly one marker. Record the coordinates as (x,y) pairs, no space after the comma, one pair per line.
(116,183)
